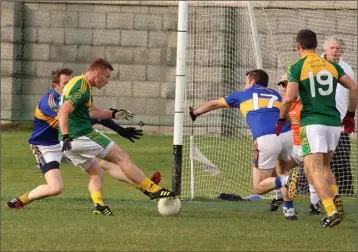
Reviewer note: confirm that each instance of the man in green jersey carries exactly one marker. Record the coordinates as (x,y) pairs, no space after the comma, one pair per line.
(316,80)
(82,144)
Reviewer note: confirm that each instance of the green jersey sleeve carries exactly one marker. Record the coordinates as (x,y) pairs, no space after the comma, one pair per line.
(339,69)
(77,97)
(294,73)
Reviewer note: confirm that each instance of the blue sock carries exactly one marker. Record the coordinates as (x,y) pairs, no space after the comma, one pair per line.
(278,182)
(288,204)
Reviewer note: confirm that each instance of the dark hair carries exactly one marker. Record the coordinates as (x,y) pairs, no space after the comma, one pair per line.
(307,39)
(260,76)
(100,63)
(283,83)
(56,74)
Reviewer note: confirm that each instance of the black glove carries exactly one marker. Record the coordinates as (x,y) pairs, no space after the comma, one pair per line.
(191,113)
(130,133)
(121,113)
(66,142)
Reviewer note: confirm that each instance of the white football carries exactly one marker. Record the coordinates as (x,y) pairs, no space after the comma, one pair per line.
(169,206)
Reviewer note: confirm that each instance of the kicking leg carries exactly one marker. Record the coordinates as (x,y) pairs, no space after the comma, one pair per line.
(118,156)
(116,172)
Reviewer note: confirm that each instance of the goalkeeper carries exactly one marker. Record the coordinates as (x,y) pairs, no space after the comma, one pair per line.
(260,105)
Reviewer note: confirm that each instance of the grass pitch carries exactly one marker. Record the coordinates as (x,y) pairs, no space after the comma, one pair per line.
(66,223)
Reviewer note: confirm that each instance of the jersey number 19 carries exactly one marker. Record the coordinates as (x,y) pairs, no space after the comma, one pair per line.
(326,81)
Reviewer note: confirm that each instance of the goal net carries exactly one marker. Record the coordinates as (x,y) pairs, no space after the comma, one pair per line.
(224,40)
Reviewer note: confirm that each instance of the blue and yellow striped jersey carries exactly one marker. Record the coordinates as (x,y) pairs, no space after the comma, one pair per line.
(45,121)
(260,106)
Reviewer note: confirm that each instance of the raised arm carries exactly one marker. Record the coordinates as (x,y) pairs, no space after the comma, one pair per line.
(206,107)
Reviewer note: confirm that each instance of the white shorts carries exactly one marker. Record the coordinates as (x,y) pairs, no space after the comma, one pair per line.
(319,138)
(297,154)
(269,148)
(47,157)
(86,148)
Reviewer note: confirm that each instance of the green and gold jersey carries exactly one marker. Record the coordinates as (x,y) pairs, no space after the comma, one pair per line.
(78,92)
(317,79)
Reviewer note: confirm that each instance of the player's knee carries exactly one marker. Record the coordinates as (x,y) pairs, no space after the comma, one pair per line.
(258,190)
(56,189)
(125,158)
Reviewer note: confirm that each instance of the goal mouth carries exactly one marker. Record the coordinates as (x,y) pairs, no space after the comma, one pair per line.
(223,43)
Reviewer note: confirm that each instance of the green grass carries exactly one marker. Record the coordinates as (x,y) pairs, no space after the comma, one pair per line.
(66,223)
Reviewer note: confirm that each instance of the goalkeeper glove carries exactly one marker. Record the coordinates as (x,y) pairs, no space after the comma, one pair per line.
(191,113)
(279,125)
(130,133)
(121,113)
(348,122)
(66,142)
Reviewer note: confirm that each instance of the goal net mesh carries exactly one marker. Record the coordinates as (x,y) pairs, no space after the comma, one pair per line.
(220,50)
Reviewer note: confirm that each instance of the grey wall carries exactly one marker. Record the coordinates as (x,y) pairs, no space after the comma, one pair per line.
(140,42)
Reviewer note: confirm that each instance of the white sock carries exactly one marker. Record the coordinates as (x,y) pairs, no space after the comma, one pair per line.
(284,180)
(278,194)
(313,195)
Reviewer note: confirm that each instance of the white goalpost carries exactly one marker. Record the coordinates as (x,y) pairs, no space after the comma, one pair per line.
(223,41)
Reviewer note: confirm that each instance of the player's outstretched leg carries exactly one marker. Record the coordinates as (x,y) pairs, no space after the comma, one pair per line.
(118,156)
(116,172)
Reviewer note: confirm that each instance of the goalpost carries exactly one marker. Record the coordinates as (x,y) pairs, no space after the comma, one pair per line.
(224,40)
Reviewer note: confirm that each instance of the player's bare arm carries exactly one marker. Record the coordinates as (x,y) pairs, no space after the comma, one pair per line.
(206,107)
(65,110)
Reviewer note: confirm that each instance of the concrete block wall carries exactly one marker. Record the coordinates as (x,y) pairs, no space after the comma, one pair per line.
(140,42)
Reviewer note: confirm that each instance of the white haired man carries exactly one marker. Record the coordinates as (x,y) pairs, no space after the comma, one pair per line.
(341,165)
